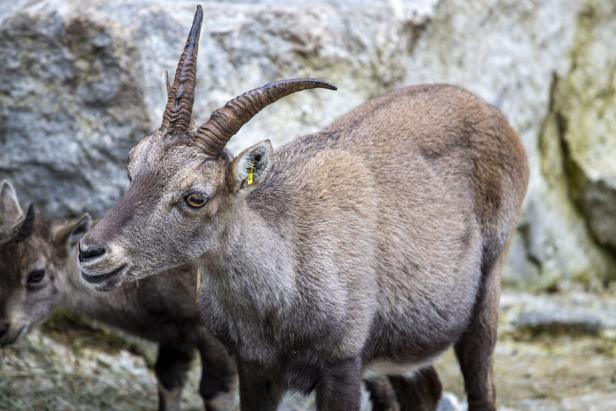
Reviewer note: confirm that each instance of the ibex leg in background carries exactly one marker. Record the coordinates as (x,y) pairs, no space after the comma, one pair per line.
(382,394)
(421,392)
(172,365)
(218,376)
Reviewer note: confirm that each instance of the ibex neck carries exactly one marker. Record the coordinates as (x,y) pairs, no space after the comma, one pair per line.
(253,258)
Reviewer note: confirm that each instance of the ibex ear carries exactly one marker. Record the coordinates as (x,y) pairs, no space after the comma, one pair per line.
(251,166)
(10,211)
(67,235)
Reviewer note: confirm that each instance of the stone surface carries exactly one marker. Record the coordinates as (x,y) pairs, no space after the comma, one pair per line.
(81,83)
(574,313)
(42,373)
(585,103)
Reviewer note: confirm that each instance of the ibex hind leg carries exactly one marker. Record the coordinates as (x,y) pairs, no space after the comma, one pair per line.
(475,348)
(172,365)
(382,394)
(421,392)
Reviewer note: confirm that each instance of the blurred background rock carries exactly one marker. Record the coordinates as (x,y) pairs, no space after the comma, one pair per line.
(80,83)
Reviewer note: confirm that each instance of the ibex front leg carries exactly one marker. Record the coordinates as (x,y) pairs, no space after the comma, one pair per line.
(339,388)
(258,393)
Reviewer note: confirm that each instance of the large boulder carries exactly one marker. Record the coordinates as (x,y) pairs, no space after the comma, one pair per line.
(585,103)
(574,222)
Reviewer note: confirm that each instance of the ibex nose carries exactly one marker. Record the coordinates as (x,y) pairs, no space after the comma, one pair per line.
(90,252)
(4,328)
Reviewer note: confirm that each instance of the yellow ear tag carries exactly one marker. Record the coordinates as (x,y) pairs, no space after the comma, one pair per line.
(251,173)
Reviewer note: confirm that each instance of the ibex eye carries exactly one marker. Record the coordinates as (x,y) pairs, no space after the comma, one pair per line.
(196,200)
(35,277)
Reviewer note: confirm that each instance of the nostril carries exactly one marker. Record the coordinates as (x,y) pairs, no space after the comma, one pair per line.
(4,328)
(90,252)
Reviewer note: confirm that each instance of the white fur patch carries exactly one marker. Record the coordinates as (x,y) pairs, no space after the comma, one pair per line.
(242,168)
(383,368)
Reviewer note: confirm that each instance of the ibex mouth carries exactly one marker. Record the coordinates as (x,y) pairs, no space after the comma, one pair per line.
(107,281)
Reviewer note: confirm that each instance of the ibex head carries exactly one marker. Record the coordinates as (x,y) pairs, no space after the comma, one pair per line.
(184,184)
(32,254)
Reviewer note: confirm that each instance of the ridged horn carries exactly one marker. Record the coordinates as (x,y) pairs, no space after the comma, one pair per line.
(181,96)
(214,134)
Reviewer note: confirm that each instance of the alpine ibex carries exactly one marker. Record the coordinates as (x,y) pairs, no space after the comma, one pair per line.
(39,272)
(368,248)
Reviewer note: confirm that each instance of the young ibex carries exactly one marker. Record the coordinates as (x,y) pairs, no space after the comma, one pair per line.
(39,272)
(368,248)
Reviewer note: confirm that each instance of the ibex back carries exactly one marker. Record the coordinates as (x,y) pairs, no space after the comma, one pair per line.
(368,248)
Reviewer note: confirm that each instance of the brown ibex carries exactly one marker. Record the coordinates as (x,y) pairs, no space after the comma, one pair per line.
(368,248)
(39,272)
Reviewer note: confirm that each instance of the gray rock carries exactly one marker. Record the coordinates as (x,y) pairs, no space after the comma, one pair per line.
(449,402)
(586,106)
(572,313)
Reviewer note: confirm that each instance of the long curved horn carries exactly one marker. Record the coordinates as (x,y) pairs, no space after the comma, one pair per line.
(178,110)
(214,134)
